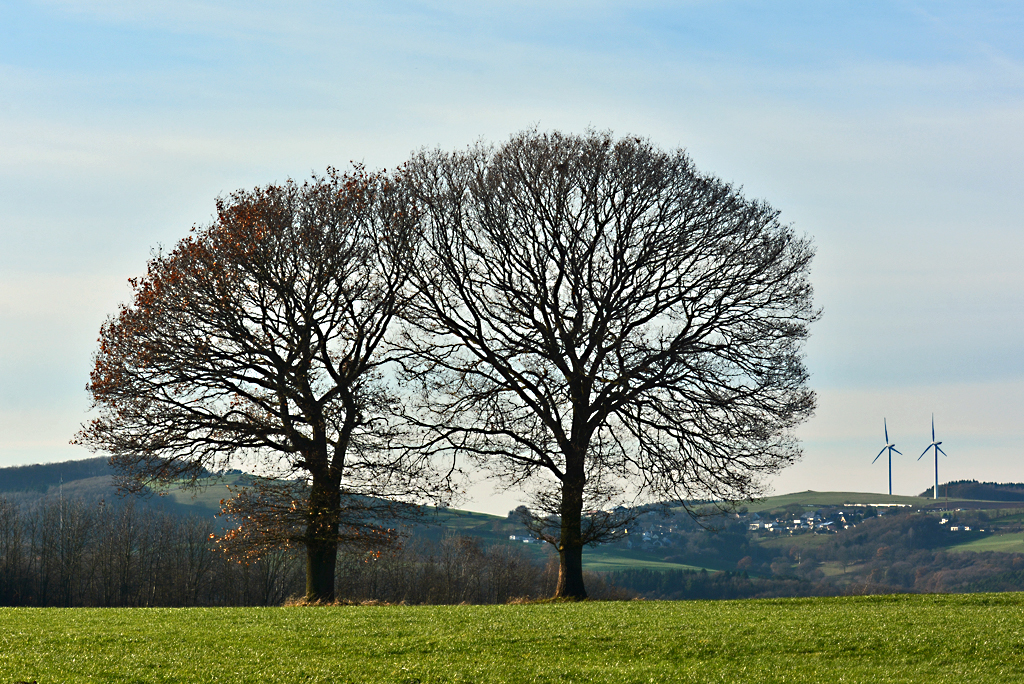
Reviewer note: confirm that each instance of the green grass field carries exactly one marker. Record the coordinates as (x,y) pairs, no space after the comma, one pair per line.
(932,638)
(598,560)
(788,541)
(811,500)
(207,496)
(1007,543)
(1007,518)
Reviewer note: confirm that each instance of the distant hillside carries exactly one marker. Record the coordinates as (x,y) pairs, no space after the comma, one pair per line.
(40,477)
(982,491)
(811,500)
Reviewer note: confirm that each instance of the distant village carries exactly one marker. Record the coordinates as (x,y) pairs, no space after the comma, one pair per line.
(655,530)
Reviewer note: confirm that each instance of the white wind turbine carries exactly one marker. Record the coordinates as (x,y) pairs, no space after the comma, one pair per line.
(937,450)
(891,446)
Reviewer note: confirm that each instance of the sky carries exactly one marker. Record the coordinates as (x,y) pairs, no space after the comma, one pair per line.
(892,133)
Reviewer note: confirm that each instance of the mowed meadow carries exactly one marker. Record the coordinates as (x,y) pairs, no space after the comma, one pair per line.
(922,638)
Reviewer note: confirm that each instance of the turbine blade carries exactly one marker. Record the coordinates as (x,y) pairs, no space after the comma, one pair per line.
(940,449)
(879,455)
(885,426)
(924,452)
(897,451)
(933,427)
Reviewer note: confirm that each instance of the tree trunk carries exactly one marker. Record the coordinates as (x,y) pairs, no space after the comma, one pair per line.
(570,574)
(321,557)
(570,548)
(322,537)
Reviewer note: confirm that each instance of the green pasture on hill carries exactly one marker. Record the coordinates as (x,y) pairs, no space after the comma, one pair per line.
(801,541)
(605,560)
(1006,543)
(207,496)
(1005,517)
(929,638)
(811,500)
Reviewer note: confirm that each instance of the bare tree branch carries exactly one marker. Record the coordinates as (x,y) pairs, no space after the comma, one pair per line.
(594,316)
(260,340)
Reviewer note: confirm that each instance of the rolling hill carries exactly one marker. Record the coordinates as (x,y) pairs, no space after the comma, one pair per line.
(675,541)
(40,477)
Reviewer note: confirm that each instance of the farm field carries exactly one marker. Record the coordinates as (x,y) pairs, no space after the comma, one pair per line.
(811,499)
(785,541)
(206,497)
(601,560)
(1007,543)
(921,638)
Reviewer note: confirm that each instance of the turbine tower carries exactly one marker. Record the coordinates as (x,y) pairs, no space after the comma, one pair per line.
(937,450)
(891,446)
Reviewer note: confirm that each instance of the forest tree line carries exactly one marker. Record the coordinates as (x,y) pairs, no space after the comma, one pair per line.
(77,552)
(71,552)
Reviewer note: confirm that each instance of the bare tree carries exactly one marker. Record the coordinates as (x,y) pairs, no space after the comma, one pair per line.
(12,553)
(260,340)
(596,317)
(271,515)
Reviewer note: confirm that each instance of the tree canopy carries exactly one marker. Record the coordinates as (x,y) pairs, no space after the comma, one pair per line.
(589,318)
(259,340)
(594,317)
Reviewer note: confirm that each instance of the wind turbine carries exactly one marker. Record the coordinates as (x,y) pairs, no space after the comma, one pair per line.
(937,450)
(891,446)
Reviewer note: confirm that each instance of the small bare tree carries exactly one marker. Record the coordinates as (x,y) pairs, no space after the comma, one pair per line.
(270,515)
(594,316)
(260,340)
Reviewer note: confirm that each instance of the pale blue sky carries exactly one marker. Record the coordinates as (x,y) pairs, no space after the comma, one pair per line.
(892,132)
